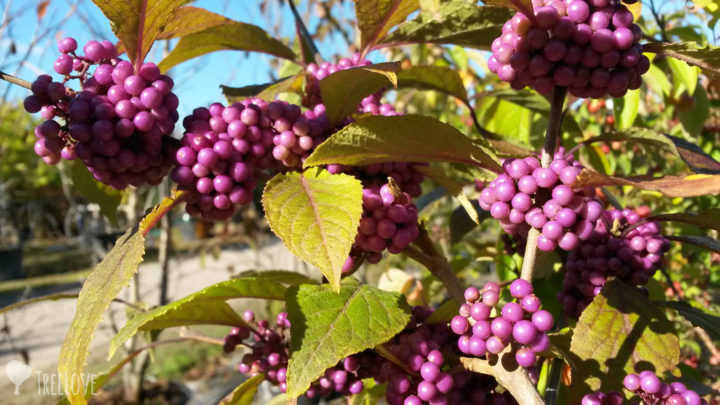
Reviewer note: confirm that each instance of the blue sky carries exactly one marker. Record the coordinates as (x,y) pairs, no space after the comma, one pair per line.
(196,82)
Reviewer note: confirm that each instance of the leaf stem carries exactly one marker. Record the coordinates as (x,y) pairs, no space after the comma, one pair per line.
(552,136)
(15,80)
(430,257)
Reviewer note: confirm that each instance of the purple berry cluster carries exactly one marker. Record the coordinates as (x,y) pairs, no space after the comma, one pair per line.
(298,132)
(521,321)
(590,46)
(651,391)
(527,195)
(220,151)
(389,221)
(404,173)
(425,377)
(612,251)
(269,355)
(116,124)
(312,96)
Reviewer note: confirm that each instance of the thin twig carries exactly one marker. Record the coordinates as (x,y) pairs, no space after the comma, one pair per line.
(15,80)
(528,265)
(441,269)
(484,132)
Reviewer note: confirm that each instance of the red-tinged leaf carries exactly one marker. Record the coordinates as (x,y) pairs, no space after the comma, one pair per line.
(188,20)
(696,159)
(376,17)
(138,23)
(672,186)
(707,58)
(523,6)
(619,332)
(704,242)
(709,218)
(233,35)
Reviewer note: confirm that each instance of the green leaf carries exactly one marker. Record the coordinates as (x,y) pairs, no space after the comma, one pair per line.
(138,23)
(316,215)
(707,58)
(685,77)
(343,90)
(244,393)
(100,288)
(234,35)
(438,78)
(105,196)
(704,242)
(657,80)
(709,218)
(189,20)
(454,188)
(699,317)
(461,223)
(371,394)
(598,160)
(278,276)
(444,313)
(205,307)
(626,109)
(376,17)
(266,91)
(328,327)
(694,120)
(620,332)
(457,22)
(402,138)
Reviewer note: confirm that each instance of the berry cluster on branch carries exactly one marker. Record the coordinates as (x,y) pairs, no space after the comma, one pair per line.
(650,390)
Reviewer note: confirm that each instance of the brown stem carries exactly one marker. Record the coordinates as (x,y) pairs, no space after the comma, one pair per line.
(15,80)
(441,269)
(516,381)
(528,265)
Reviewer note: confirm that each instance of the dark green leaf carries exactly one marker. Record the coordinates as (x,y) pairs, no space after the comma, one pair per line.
(402,138)
(461,223)
(327,326)
(105,196)
(707,58)
(704,242)
(444,313)
(621,332)
(343,90)
(457,22)
(694,120)
(205,307)
(438,78)
(316,215)
(376,17)
(231,36)
(699,317)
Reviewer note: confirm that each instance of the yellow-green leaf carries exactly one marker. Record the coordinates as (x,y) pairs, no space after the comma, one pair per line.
(343,90)
(244,393)
(402,138)
(234,35)
(376,17)
(707,58)
(189,20)
(327,327)
(316,215)
(438,78)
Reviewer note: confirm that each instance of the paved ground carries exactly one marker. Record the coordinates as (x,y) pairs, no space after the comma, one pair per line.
(39,328)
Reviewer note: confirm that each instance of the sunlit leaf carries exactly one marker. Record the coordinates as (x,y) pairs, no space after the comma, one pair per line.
(438,78)
(376,17)
(707,58)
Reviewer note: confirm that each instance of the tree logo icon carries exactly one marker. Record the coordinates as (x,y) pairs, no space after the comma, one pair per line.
(18,373)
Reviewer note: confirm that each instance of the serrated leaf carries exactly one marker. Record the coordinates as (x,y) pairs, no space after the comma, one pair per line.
(626,109)
(704,242)
(233,35)
(402,138)
(709,218)
(707,58)
(205,307)
(100,288)
(138,23)
(619,331)
(672,186)
(266,91)
(697,316)
(329,326)
(189,20)
(343,90)
(457,22)
(278,276)
(438,78)
(244,393)
(103,195)
(316,215)
(376,17)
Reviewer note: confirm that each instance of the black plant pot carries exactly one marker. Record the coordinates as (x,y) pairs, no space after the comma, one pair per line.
(11,263)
